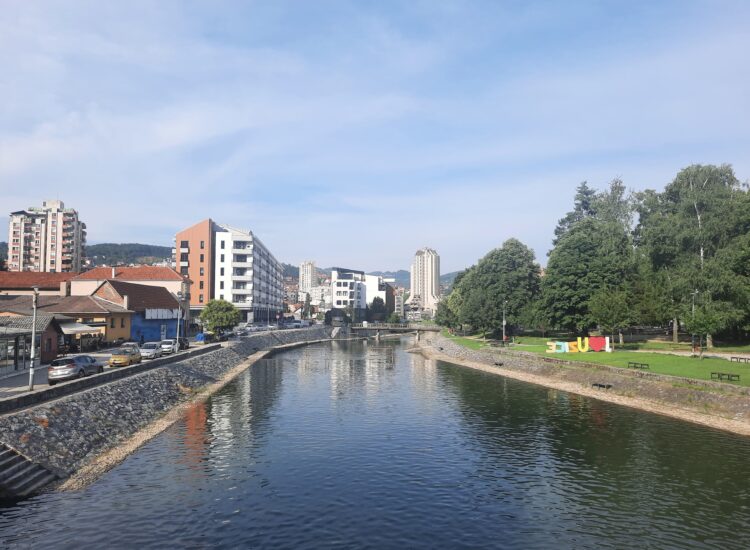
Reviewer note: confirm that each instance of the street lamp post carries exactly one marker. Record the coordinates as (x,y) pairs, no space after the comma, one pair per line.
(179,317)
(33,336)
(505,303)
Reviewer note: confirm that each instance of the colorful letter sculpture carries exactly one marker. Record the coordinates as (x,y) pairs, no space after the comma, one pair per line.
(582,345)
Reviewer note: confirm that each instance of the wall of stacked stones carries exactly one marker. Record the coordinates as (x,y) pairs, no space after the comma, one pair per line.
(63,435)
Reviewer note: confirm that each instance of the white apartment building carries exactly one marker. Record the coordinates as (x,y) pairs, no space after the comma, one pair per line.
(50,238)
(349,292)
(399,304)
(247,274)
(425,281)
(308,277)
(320,296)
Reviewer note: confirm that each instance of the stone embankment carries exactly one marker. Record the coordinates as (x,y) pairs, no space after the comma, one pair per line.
(66,434)
(713,404)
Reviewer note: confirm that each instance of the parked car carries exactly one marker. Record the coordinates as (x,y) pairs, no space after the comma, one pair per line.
(67,368)
(124,357)
(184,343)
(151,350)
(168,346)
(130,345)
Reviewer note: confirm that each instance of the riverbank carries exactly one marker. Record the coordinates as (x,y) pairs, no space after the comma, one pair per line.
(80,436)
(715,405)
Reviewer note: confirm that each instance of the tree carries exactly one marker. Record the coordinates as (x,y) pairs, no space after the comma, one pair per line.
(692,233)
(506,278)
(583,207)
(219,314)
(709,318)
(394,318)
(445,316)
(377,311)
(307,308)
(610,310)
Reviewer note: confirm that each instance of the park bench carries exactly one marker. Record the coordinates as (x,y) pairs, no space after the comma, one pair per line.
(634,365)
(745,360)
(728,376)
(601,386)
(498,363)
(498,344)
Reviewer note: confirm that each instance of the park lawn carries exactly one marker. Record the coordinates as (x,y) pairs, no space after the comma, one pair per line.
(660,363)
(470,342)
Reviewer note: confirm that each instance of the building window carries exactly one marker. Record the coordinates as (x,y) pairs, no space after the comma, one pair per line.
(222,245)
(221,271)
(200,298)
(122,322)
(200,285)
(183,271)
(202,272)
(184,244)
(112,323)
(221,285)
(184,257)
(221,296)
(222,256)
(203,245)
(202,259)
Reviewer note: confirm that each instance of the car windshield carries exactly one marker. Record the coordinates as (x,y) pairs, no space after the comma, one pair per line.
(150,346)
(121,352)
(166,342)
(62,362)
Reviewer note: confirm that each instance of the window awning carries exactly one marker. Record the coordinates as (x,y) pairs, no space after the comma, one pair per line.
(78,328)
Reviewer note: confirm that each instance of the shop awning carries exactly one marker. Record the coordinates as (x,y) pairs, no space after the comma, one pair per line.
(78,328)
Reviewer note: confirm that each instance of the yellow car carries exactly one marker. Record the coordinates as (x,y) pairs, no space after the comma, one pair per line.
(124,357)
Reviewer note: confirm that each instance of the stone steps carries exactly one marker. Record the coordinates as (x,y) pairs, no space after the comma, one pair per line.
(19,477)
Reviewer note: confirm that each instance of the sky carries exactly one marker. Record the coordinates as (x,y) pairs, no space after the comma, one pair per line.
(354,133)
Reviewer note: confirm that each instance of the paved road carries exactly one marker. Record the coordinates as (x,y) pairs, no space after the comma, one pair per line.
(19,383)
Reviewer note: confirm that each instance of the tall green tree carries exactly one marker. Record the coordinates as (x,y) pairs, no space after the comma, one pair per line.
(611,311)
(691,235)
(506,278)
(219,314)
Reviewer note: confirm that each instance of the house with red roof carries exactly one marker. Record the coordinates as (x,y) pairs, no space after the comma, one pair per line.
(155,309)
(22,283)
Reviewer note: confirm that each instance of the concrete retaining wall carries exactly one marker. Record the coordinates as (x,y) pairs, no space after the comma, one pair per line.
(64,434)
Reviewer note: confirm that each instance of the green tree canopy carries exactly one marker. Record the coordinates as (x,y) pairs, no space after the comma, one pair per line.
(219,314)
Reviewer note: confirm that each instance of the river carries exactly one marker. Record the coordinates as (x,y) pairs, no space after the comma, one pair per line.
(362,444)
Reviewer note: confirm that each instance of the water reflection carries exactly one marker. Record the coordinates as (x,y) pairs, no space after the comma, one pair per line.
(364,445)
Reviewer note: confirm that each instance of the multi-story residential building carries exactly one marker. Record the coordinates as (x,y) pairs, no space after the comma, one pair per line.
(349,292)
(425,281)
(230,264)
(308,277)
(380,287)
(50,238)
(399,303)
(320,297)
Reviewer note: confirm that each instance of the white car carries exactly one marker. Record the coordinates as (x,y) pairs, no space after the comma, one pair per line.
(151,350)
(168,346)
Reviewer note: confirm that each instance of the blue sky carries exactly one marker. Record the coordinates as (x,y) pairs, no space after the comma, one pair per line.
(354,133)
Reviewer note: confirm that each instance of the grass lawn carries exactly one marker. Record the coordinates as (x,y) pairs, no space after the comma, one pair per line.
(660,363)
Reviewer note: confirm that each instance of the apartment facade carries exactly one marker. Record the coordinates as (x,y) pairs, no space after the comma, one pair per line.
(230,264)
(349,292)
(47,239)
(425,281)
(308,278)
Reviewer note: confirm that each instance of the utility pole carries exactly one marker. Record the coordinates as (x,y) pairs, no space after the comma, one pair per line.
(33,337)
(179,316)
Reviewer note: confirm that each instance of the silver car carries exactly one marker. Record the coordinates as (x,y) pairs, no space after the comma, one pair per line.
(67,368)
(168,346)
(151,350)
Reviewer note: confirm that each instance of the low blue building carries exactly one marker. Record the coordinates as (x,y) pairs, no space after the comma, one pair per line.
(155,309)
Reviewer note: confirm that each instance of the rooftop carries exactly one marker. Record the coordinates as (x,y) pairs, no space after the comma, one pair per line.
(26,280)
(136,273)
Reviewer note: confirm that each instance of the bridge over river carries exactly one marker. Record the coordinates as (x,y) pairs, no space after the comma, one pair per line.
(377,328)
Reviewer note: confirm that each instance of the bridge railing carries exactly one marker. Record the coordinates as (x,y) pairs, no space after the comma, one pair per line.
(394,326)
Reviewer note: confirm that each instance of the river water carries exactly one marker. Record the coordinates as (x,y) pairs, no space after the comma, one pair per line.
(361,444)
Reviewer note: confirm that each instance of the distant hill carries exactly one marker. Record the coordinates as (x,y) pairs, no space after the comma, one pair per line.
(127,253)
(401,276)
(446,280)
(290,270)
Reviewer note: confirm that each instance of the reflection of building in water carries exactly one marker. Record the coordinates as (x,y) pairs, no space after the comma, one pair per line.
(195,441)
(370,366)
(424,379)
(242,407)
